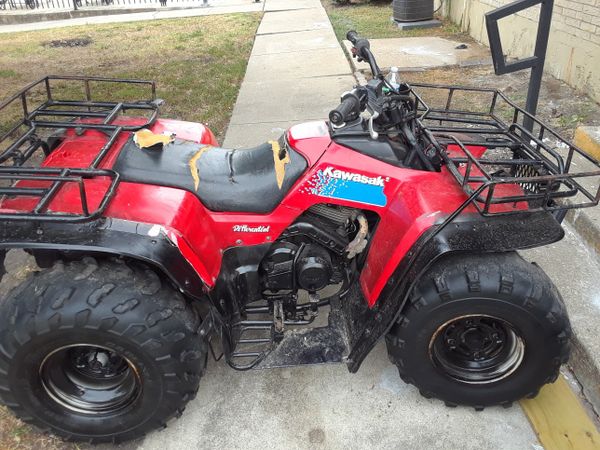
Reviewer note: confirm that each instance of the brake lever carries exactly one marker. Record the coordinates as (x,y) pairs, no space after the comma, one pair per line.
(374,134)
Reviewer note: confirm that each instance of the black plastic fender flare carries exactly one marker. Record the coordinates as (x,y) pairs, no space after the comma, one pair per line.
(140,241)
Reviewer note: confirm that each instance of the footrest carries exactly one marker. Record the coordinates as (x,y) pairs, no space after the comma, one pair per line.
(319,345)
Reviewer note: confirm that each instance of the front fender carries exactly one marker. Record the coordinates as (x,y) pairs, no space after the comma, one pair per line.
(149,243)
(468,233)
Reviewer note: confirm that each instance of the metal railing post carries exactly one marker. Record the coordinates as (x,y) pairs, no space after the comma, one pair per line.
(535,62)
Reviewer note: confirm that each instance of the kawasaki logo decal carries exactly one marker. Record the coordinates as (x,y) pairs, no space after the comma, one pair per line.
(349,176)
(336,183)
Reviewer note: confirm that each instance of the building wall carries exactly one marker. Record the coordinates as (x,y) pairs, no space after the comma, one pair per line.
(574,46)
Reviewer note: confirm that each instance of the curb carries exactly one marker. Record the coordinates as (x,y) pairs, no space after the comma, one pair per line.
(588,139)
(586,372)
(561,418)
(586,223)
(15,19)
(587,226)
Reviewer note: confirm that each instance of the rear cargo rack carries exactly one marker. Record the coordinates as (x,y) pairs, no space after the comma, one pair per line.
(30,116)
(505,166)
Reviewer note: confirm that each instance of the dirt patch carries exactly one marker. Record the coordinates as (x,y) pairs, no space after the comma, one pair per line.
(16,435)
(560,106)
(76,42)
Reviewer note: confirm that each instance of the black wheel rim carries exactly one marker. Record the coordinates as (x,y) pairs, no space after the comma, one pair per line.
(477,349)
(90,379)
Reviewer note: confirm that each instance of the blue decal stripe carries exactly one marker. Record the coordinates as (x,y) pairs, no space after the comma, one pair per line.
(326,186)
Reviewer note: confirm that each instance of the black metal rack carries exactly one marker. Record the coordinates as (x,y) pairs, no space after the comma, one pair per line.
(521,168)
(38,109)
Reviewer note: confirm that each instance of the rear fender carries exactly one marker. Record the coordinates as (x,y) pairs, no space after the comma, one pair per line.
(469,233)
(148,243)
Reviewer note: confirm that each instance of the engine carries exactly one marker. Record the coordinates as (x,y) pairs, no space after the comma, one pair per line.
(314,269)
(314,252)
(292,267)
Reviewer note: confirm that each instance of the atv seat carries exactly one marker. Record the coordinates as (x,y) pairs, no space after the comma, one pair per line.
(251,180)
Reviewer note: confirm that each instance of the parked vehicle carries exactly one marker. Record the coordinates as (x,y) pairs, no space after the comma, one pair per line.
(394,220)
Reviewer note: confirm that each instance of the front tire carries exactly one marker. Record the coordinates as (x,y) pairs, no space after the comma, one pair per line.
(98,351)
(481,330)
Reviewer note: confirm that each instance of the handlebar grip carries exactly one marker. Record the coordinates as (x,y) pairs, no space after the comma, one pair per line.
(348,110)
(362,50)
(352,36)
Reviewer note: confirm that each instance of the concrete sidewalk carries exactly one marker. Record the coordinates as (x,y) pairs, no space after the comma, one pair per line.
(326,407)
(217,7)
(296,73)
(423,52)
(573,266)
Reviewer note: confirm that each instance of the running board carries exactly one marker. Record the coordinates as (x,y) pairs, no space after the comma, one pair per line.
(297,346)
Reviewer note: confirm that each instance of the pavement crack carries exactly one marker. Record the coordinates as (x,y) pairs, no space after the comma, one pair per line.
(289,32)
(296,51)
(583,396)
(287,10)
(295,121)
(333,75)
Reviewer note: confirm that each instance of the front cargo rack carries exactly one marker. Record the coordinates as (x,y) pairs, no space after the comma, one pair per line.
(506,160)
(32,119)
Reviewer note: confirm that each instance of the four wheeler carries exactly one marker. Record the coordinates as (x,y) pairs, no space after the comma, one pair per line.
(396,219)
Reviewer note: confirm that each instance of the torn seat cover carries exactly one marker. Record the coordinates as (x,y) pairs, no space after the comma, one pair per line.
(244,180)
(147,139)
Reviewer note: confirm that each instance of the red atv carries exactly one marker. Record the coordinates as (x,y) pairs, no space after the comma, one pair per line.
(395,219)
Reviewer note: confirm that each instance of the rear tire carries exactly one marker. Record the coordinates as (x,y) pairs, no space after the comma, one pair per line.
(481,330)
(98,351)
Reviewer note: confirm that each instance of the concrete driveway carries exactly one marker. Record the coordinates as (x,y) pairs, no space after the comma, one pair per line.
(326,407)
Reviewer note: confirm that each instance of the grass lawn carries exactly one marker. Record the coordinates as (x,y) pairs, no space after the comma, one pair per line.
(16,435)
(198,63)
(372,20)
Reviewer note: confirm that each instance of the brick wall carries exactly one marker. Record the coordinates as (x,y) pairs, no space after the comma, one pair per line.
(574,47)
(579,17)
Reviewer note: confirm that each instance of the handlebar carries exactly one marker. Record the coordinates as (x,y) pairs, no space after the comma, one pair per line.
(362,51)
(373,96)
(348,110)
(352,36)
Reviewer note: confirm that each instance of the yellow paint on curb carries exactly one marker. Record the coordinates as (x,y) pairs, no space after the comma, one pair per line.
(588,140)
(559,420)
